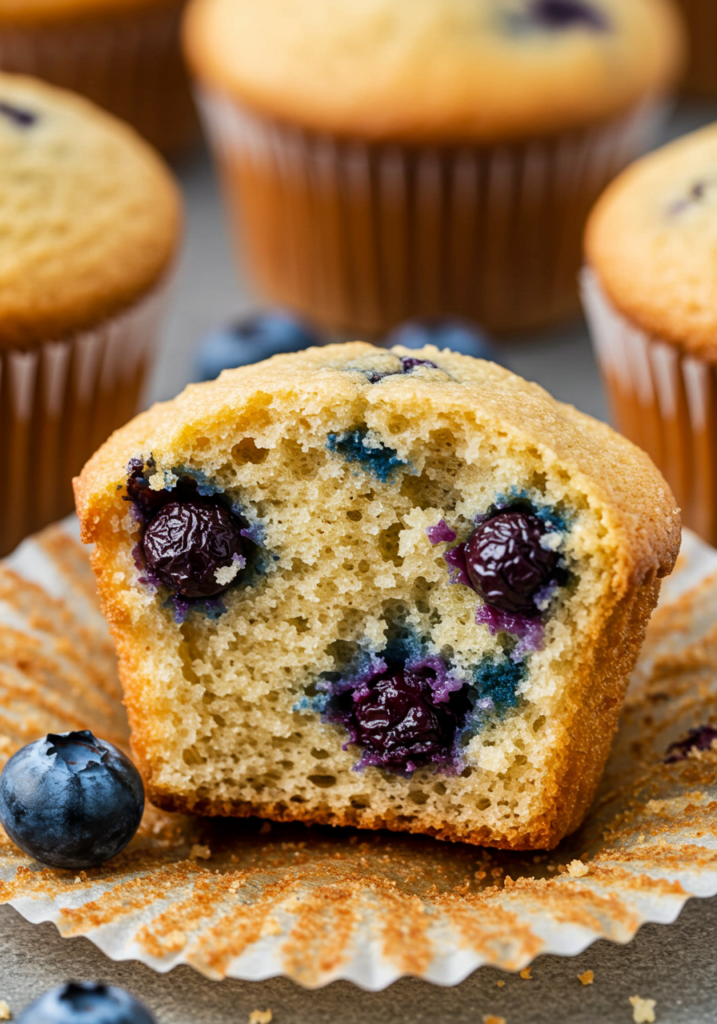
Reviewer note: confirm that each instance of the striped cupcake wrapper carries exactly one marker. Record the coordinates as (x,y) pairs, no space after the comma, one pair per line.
(129,62)
(59,402)
(662,399)
(361,236)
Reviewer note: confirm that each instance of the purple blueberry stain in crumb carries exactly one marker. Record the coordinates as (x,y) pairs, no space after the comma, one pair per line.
(18,116)
(441,533)
(195,549)
(408,363)
(455,559)
(566,14)
(403,717)
(698,739)
(528,631)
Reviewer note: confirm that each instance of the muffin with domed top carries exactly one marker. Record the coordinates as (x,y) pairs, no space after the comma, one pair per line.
(651,298)
(122,54)
(89,227)
(387,159)
(397,589)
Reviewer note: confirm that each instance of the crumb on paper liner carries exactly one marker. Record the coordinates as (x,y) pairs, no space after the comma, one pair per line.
(232,897)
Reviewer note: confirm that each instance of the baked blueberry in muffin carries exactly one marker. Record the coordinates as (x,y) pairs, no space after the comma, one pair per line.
(434,580)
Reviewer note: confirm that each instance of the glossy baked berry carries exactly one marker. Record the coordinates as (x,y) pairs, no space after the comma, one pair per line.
(194,548)
(252,339)
(146,501)
(508,563)
(71,800)
(696,739)
(86,1003)
(558,14)
(445,332)
(400,724)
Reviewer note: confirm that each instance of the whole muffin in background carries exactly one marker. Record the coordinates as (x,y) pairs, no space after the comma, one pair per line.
(651,300)
(701,74)
(386,159)
(89,225)
(123,54)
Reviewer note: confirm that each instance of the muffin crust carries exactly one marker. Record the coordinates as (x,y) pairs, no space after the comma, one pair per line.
(89,215)
(417,70)
(218,720)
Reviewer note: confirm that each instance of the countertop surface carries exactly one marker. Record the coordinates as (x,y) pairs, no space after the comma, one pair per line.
(674,965)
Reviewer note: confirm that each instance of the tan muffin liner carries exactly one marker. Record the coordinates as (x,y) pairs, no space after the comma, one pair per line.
(361,236)
(701,76)
(664,401)
(126,61)
(251,900)
(59,402)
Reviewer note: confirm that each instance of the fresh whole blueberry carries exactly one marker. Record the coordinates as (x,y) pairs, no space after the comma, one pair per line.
(445,332)
(252,339)
(194,548)
(507,562)
(71,800)
(701,738)
(400,724)
(559,14)
(86,1003)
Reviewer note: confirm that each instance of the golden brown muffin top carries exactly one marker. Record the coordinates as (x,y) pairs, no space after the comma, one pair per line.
(32,11)
(89,215)
(611,471)
(652,239)
(436,69)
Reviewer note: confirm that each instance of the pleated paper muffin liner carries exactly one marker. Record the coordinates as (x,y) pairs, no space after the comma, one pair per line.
(127,61)
(59,402)
(662,399)
(360,236)
(252,900)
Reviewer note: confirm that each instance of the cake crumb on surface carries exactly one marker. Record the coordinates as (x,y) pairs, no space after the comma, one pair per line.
(199,852)
(576,869)
(587,978)
(4,1011)
(643,1010)
(500,984)
(261,1017)
(488,1018)
(525,974)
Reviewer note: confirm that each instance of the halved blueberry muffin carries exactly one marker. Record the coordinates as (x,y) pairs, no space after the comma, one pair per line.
(387,589)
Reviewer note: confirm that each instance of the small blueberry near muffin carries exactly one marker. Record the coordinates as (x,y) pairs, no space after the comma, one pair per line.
(86,1003)
(71,800)
(252,339)
(421,590)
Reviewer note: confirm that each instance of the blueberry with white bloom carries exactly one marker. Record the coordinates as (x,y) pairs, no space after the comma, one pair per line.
(86,1003)
(251,339)
(71,800)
